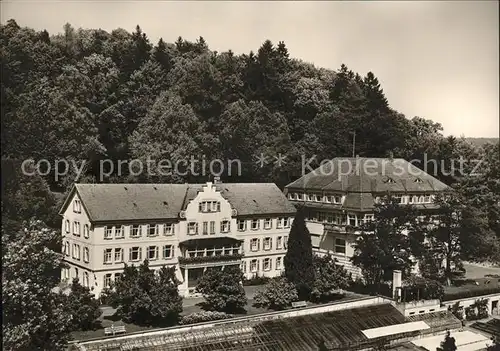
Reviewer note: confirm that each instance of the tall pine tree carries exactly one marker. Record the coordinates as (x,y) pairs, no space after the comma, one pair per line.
(299,259)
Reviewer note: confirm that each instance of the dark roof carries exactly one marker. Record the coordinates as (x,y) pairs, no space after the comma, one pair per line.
(361,178)
(120,202)
(368,175)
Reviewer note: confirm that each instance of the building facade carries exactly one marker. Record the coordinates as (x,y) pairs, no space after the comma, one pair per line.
(188,226)
(340,196)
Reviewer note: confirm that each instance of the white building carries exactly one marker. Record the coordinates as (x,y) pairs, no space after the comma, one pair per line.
(189,226)
(341,195)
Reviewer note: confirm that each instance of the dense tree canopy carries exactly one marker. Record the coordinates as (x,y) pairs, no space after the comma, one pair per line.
(89,94)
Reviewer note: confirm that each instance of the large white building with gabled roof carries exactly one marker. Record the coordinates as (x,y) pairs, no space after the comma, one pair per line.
(341,195)
(189,226)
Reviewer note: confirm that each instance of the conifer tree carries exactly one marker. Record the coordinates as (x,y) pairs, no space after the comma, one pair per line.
(299,259)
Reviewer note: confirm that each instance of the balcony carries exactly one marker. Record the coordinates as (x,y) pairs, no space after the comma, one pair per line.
(210,260)
(341,228)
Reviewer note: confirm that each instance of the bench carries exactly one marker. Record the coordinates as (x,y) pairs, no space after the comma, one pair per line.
(297,304)
(119,329)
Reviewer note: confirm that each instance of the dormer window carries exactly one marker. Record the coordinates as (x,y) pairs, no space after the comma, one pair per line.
(418,180)
(390,180)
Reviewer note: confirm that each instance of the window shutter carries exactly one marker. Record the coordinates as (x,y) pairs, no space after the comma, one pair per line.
(196,228)
(218,206)
(228,226)
(258,245)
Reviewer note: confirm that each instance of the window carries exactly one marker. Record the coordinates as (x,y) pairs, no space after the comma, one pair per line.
(254,245)
(397,198)
(66,225)
(285,242)
(279,243)
(117,276)
(291,196)
(205,228)
(65,273)
(267,243)
(86,231)
(168,229)
(255,224)
(135,254)
(321,217)
(254,266)
(279,223)
(152,229)
(107,280)
(120,232)
(76,251)
(266,264)
(427,199)
(310,197)
(107,256)
(168,251)
(118,255)
(284,222)
(421,199)
(86,279)
(67,248)
(242,225)
(390,180)
(77,206)
(108,232)
(76,273)
(299,196)
(368,218)
(225,226)
(318,198)
(209,206)
(76,228)
(192,228)
(136,231)
(278,263)
(340,246)
(418,180)
(152,253)
(327,198)
(351,219)
(86,254)
(243,266)
(212,227)
(268,223)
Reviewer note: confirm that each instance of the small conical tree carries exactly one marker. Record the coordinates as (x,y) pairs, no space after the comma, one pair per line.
(448,344)
(299,258)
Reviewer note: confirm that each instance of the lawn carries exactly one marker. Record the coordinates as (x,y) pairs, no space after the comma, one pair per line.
(190,305)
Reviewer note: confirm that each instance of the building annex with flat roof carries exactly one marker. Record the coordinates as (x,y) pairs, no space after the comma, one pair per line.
(355,324)
(189,226)
(341,195)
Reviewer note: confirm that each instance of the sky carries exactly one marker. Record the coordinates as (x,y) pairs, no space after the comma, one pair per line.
(437,59)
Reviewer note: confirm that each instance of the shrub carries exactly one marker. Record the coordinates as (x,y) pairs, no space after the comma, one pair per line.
(204,316)
(457,310)
(256,280)
(222,289)
(278,294)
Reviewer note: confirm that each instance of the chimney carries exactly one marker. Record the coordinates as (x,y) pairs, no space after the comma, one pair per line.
(396,285)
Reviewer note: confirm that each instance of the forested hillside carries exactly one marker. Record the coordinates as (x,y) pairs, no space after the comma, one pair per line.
(86,94)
